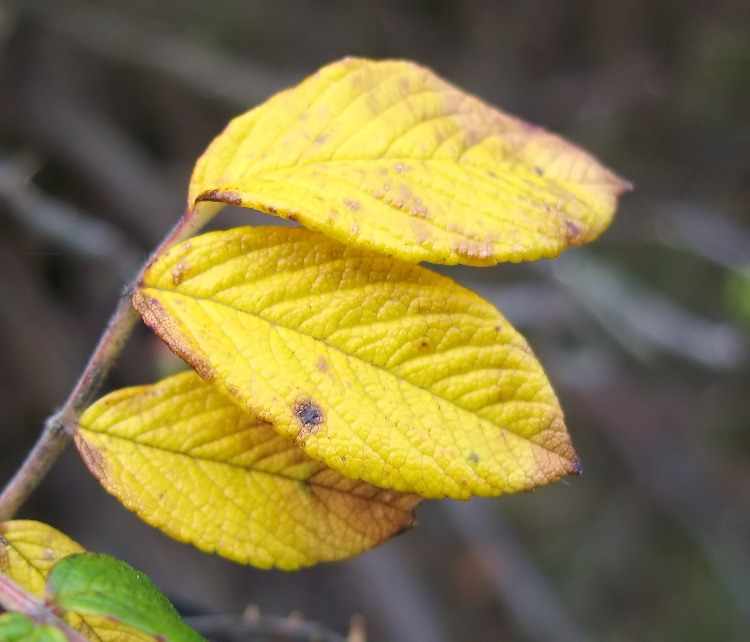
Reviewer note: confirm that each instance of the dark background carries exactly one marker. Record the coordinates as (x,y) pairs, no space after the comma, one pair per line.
(106,105)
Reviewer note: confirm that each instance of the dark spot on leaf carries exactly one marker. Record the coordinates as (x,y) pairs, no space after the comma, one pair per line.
(538,171)
(322,364)
(222,197)
(352,205)
(310,417)
(308,413)
(292,217)
(474,458)
(271,209)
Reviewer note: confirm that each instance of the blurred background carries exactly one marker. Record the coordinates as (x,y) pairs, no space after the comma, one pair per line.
(104,107)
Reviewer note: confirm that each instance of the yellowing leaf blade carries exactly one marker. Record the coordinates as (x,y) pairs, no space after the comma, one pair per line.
(193,464)
(389,157)
(381,369)
(29,550)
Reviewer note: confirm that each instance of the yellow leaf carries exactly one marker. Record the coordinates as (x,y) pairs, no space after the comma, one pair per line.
(381,369)
(389,157)
(193,464)
(29,550)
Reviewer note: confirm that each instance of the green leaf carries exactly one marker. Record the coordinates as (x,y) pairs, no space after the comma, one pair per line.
(16,627)
(96,584)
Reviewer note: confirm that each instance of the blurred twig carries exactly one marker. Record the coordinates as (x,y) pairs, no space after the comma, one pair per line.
(673,476)
(106,156)
(117,36)
(643,322)
(516,579)
(705,232)
(227,628)
(408,609)
(76,231)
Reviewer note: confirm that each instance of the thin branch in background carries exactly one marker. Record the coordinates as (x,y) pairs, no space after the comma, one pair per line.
(516,579)
(227,628)
(407,609)
(643,322)
(118,37)
(75,231)
(703,231)
(112,163)
(672,475)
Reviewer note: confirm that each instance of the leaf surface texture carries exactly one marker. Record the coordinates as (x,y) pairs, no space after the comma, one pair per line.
(378,368)
(388,156)
(193,464)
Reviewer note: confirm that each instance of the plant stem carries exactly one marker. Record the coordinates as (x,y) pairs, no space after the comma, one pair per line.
(15,598)
(60,427)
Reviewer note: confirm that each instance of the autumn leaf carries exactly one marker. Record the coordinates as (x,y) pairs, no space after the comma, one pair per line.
(387,156)
(29,550)
(193,464)
(379,368)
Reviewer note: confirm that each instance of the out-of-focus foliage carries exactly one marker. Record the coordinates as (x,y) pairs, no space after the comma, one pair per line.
(109,111)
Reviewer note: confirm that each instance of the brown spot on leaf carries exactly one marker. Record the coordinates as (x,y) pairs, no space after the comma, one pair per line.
(352,205)
(322,364)
(219,196)
(156,317)
(4,561)
(573,233)
(93,459)
(474,458)
(473,252)
(179,272)
(271,209)
(538,171)
(292,216)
